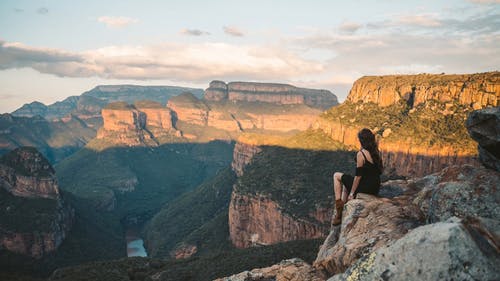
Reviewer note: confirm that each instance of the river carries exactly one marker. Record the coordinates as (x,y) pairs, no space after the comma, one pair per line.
(135,244)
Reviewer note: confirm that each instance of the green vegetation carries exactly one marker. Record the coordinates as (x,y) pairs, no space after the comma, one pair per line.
(298,180)
(119,105)
(196,268)
(431,124)
(55,140)
(178,219)
(21,214)
(148,104)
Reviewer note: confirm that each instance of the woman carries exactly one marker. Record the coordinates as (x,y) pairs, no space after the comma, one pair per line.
(367,178)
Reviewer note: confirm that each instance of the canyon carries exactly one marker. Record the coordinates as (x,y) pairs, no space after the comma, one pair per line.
(32,189)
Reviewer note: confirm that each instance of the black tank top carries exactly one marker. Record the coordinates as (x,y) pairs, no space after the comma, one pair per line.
(370,181)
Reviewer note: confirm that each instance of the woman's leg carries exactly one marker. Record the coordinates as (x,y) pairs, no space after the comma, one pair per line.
(337,185)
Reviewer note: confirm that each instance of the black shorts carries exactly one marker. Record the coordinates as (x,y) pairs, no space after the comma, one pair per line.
(347,180)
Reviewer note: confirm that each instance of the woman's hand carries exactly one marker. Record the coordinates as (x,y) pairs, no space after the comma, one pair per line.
(350,197)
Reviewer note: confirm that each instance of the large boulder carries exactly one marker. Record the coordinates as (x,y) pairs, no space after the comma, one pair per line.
(459,191)
(451,250)
(287,270)
(484,127)
(368,223)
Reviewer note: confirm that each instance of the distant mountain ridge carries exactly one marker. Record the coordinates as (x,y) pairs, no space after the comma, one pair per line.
(94,100)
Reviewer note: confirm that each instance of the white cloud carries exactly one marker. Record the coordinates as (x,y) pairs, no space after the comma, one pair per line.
(181,62)
(485,1)
(116,22)
(420,20)
(233,31)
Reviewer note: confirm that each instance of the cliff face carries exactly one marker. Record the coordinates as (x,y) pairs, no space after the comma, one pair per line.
(234,117)
(26,173)
(401,158)
(258,220)
(476,90)
(136,125)
(270,93)
(242,156)
(38,225)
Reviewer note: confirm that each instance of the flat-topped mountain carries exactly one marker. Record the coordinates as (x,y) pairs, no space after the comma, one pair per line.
(269,92)
(475,90)
(91,102)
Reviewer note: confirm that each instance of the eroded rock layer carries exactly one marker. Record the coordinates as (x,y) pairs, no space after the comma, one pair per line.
(476,90)
(270,93)
(35,219)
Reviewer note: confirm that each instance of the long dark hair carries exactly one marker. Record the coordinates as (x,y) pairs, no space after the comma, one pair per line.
(368,142)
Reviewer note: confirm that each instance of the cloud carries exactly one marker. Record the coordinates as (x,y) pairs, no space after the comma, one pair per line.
(174,61)
(194,32)
(18,10)
(42,10)
(233,31)
(349,27)
(116,22)
(485,1)
(419,20)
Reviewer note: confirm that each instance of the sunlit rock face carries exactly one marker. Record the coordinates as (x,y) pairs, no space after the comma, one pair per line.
(477,90)
(269,92)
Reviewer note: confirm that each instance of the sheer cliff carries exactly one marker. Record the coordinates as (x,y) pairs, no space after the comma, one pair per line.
(35,219)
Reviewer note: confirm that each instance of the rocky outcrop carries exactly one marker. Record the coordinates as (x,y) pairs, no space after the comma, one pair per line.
(464,191)
(25,172)
(258,220)
(286,270)
(242,156)
(236,118)
(401,158)
(484,127)
(270,93)
(459,191)
(451,250)
(368,223)
(183,251)
(138,124)
(36,225)
(476,90)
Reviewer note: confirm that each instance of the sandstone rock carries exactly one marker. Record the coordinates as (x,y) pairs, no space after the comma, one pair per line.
(484,127)
(242,156)
(269,92)
(184,251)
(459,191)
(451,250)
(258,220)
(400,158)
(286,270)
(25,172)
(476,90)
(368,223)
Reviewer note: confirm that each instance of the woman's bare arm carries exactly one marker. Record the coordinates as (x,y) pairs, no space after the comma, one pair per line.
(357,179)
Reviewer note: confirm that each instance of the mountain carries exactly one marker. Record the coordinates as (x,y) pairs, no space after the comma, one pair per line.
(54,139)
(94,100)
(35,218)
(269,92)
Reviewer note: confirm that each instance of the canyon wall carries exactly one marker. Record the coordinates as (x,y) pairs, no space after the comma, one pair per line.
(270,93)
(401,158)
(258,220)
(476,90)
(32,188)
(242,156)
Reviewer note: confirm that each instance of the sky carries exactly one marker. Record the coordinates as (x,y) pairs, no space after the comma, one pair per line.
(52,49)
